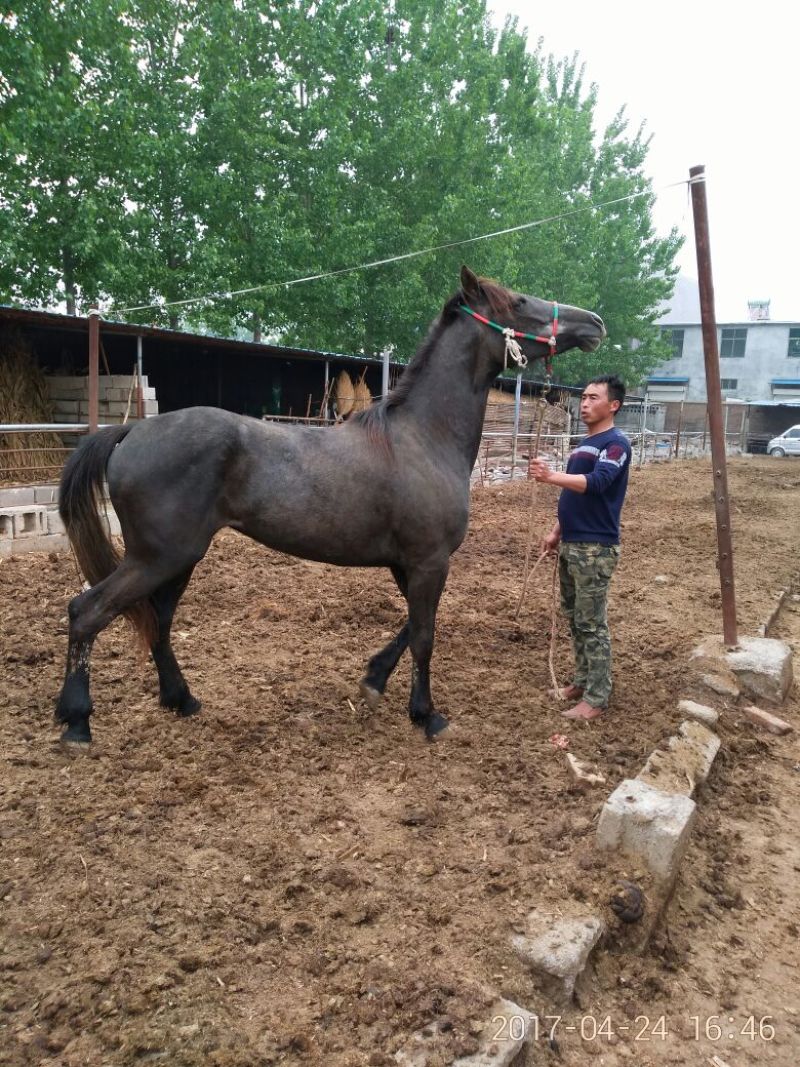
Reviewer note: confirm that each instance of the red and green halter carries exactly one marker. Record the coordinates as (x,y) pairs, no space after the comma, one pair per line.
(512,335)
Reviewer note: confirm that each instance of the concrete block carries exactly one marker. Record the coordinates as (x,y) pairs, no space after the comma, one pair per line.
(27,520)
(763,667)
(26,545)
(699,712)
(507,1030)
(653,826)
(17,496)
(54,523)
(684,763)
(67,407)
(57,382)
(150,407)
(760,666)
(6,528)
(768,722)
(68,393)
(558,949)
(45,494)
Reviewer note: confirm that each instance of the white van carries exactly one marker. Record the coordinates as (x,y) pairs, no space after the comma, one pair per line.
(788,444)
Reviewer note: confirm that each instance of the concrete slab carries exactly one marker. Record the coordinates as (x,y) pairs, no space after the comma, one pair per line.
(699,712)
(685,761)
(15,496)
(760,666)
(558,949)
(20,546)
(772,723)
(505,1033)
(649,824)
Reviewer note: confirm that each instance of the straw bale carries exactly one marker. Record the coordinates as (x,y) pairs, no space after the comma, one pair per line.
(362,397)
(24,398)
(344,394)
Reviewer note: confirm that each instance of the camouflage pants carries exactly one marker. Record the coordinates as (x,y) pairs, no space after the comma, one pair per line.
(585,572)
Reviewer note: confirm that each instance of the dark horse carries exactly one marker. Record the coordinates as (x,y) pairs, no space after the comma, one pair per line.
(176,479)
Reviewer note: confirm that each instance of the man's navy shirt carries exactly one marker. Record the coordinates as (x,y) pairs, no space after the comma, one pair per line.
(593,516)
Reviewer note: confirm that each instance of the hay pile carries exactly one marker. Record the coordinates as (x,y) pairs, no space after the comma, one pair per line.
(350,397)
(343,394)
(362,397)
(24,398)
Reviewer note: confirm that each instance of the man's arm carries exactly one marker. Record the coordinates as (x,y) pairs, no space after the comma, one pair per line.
(542,473)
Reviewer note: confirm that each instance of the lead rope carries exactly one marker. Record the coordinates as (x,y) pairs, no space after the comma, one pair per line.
(513,349)
(528,570)
(551,657)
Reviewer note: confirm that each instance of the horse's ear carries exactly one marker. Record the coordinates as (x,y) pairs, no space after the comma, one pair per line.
(470,286)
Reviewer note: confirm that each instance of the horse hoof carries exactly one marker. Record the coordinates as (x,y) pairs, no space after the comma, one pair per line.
(371,696)
(435,726)
(188,707)
(77,737)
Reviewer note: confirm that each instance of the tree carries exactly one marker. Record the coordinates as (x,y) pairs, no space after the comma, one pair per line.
(62,149)
(237,146)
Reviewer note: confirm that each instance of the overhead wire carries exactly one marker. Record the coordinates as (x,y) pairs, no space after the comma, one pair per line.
(446,246)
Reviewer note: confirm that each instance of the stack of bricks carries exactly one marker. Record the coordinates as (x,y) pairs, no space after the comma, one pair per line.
(30,522)
(70,397)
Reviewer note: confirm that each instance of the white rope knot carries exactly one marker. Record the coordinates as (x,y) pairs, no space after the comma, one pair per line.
(513,349)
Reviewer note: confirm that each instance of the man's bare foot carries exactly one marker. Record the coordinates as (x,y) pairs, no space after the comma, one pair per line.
(583,710)
(570,692)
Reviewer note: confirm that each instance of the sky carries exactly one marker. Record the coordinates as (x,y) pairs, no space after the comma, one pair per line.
(718,87)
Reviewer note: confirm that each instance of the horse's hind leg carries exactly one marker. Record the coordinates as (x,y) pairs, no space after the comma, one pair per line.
(174,690)
(89,613)
(380,667)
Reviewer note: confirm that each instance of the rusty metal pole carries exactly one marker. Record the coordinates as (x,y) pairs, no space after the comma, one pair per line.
(697,181)
(139,392)
(94,363)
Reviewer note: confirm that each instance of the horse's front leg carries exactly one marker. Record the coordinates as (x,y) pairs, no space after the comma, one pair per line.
(424,591)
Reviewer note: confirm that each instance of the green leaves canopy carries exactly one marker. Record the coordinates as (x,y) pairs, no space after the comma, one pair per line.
(157,151)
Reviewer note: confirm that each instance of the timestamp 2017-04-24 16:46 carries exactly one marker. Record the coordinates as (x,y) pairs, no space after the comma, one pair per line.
(641,1028)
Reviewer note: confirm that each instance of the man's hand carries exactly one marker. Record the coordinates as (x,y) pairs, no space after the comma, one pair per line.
(551,542)
(540,470)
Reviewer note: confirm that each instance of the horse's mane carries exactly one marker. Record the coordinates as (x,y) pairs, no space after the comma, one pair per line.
(374,418)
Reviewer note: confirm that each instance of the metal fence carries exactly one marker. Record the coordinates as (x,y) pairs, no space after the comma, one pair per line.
(503,456)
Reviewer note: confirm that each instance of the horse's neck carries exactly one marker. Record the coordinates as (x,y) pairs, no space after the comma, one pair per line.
(448,401)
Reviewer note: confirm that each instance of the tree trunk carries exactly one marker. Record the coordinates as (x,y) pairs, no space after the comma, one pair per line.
(69,281)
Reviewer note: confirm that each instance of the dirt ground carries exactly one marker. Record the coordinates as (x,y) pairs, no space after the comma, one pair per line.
(289,879)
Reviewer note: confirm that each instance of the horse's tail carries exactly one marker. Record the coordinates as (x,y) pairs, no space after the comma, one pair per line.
(79,501)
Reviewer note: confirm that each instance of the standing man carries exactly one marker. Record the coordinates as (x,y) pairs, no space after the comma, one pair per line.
(587,531)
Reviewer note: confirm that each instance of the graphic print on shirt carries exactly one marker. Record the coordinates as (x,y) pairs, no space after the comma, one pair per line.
(615,454)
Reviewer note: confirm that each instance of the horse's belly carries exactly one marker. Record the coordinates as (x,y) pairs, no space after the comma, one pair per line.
(353,546)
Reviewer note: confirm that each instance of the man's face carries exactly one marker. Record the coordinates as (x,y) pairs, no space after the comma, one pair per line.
(595,405)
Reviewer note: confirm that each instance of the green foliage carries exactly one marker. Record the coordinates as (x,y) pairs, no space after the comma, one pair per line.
(155,151)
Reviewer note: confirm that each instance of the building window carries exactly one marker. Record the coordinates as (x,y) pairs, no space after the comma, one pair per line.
(734,339)
(729,383)
(794,341)
(674,338)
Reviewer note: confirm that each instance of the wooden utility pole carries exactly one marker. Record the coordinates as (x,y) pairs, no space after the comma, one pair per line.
(697,182)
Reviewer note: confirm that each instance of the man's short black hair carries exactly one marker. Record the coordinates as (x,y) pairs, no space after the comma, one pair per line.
(614,385)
